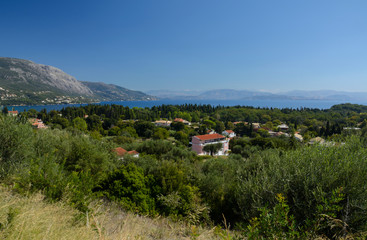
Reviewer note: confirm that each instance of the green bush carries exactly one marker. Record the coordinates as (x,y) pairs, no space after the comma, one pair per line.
(43,174)
(128,186)
(16,143)
(304,175)
(274,223)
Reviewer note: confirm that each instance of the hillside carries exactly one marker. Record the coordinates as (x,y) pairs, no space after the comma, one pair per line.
(31,217)
(268,185)
(110,92)
(24,82)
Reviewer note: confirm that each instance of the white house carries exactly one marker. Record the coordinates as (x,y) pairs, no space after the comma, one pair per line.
(229,133)
(162,123)
(283,127)
(298,137)
(183,121)
(200,141)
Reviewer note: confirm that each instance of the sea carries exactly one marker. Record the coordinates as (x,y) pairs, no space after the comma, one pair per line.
(294,104)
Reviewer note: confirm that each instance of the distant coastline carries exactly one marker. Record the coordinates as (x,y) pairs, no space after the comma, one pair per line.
(319,104)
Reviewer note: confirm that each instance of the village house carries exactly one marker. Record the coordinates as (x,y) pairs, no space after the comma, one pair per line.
(272,133)
(298,137)
(283,127)
(255,126)
(278,134)
(317,140)
(162,123)
(122,152)
(283,134)
(182,120)
(37,123)
(351,128)
(235,123)
(13,113)
(133,153)
(229,133)
(210,131)
(200,141)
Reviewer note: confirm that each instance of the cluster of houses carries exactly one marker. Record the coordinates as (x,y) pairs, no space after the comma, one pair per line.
(166,123)
(37,123)
(199,142)
(282,130)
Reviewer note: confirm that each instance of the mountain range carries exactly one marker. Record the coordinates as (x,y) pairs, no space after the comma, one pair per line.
(24,82)
(232,94)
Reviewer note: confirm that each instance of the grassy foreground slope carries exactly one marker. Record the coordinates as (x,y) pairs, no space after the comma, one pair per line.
(31,217)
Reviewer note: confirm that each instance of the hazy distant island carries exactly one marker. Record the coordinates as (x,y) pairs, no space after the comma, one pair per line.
(232,94)
(23,82)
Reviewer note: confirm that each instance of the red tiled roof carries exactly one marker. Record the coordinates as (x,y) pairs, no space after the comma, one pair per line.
(13,112)
(132,152)
(179,120)
(120,151)
(229,131)
(210,136)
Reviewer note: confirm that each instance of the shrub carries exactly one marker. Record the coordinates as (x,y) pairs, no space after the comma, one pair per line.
(305,176)
(16,138)
(128,186)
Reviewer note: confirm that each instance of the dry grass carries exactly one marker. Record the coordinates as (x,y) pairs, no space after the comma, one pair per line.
(33,218)
(117,224)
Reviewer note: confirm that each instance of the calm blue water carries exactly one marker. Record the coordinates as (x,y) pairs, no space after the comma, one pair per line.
(253,103)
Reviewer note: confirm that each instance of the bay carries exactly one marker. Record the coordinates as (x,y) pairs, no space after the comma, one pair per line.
(320,104)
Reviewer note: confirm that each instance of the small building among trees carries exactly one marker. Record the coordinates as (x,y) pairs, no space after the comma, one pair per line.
(120,152)
(283,127)
(229,133)
(210,144)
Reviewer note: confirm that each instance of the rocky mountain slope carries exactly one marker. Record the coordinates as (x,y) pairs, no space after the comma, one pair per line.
(111,92)
(26,82)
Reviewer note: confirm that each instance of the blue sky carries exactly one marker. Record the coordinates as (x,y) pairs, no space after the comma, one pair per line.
(202,44)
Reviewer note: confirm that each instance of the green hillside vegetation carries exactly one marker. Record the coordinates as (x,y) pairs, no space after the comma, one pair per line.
(267,188)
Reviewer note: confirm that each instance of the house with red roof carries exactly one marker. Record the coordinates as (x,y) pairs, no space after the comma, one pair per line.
(120,152)
(229,133)
(133,153)
(37,123)
(200,141)
(182,120)
(13,113)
